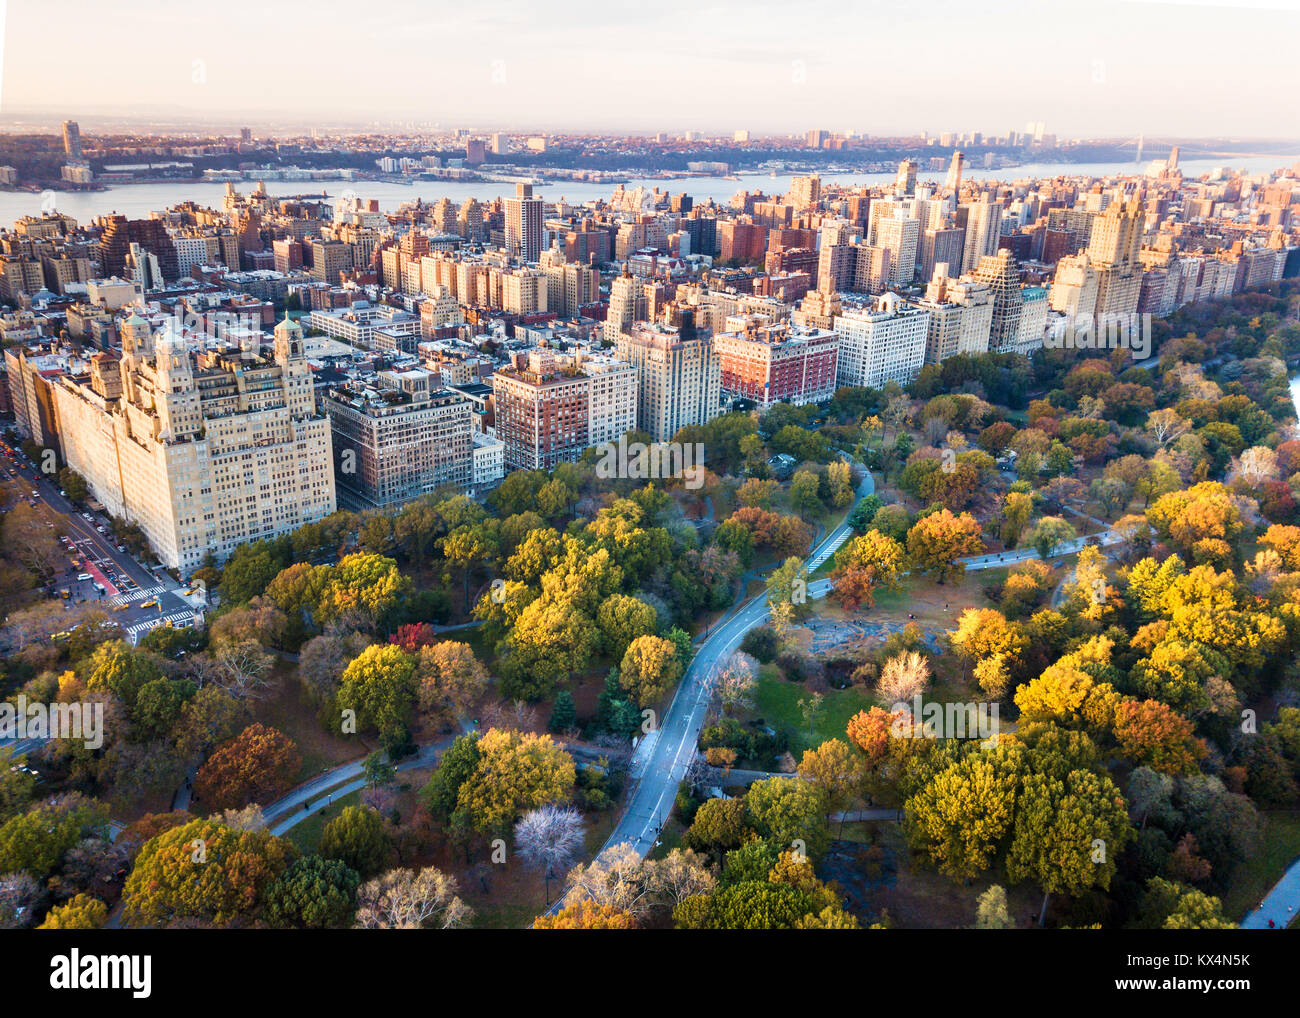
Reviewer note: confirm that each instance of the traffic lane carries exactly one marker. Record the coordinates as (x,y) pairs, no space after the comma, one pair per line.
(105,544)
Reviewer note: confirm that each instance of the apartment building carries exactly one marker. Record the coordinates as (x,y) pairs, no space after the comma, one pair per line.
(679,378)
(883,344)
(768,362)
(204,452)
(550,408)
(398,438)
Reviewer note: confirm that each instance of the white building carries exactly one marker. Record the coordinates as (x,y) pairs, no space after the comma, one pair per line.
(884,344)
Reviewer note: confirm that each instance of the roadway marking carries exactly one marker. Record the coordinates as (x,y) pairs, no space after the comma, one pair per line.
(137,595)
(134,632)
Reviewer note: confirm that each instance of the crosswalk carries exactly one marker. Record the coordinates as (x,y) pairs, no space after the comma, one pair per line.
(134,632)
(137,595)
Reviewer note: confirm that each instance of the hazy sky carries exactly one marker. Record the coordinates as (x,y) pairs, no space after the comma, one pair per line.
(1092,68)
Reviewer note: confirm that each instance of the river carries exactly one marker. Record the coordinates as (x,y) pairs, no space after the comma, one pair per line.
(138,200)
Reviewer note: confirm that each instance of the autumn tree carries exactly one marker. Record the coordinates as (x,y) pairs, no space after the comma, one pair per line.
(937,542)
(1068,833)
(959,818)
(258,765)
(649,669)
(515,772)
(450,681)
(864,564)
(204,871)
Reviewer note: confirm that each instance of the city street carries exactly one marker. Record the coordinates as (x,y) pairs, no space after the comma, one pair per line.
(139,598)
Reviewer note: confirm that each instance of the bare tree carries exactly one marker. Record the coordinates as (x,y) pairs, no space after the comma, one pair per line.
(903,677)
(619,877)
(1167,425)
(243,668)
(404,899)
(734,684)
(549,838)
(19,896)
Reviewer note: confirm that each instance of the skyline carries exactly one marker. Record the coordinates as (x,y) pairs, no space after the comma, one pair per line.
(1085,69)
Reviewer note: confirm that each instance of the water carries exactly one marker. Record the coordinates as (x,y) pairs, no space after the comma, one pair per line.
(136,201)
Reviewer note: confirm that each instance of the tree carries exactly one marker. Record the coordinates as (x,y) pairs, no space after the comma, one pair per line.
(357,838)
(864,564)
(258,765)
(960,817)
(1068,833)
(377,770)
(515,772)
(836,770)
(549,838)
(242,668)
(622,619)
(586,915)
(34,842)
(1170,905)
(20,897)
(649,669)
(1151,734)
(313,894)
(722,824)
(74,484)
(903,677)
(564,713)
(380,685)
(936,543)
(204,871)
(991,912)
(81,912)
(455,767)
(1049,534)
(787,810)
(451,681)
(404,899)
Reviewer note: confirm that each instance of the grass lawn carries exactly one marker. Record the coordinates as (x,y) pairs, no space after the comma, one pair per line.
(306,835)
(777,703)
(286,710)
(1254,877)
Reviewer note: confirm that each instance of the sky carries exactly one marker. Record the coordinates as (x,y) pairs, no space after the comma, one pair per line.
(1097,68)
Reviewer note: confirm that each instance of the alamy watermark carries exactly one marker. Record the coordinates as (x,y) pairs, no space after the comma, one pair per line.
(22,720)
(658,460)
(935,720)
(1102,332)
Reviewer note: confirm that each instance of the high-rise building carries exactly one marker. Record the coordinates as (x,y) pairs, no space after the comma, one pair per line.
(406,438)
(524,224)
(678,375)
(552,408)
(72,139)
(626,305)
(883,344)
(905,182)
(961,315)
(900,236)
(768,362)
(953,182)
(1003,278)
(203,457)
(941,246)
(983,231)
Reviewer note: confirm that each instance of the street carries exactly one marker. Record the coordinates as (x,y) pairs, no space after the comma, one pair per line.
(128,587)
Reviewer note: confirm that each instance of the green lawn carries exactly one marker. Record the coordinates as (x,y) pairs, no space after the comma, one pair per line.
(1255,876)
(777,703)
(306,835)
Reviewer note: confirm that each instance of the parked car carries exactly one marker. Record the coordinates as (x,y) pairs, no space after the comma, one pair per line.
(84,576)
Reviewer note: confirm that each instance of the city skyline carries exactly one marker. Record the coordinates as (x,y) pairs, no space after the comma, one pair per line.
(1089,70)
